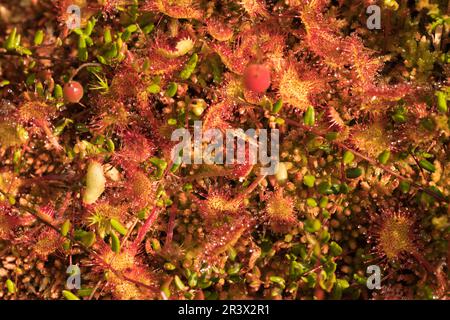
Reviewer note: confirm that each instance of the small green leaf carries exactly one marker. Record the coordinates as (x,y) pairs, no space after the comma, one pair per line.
(353,173)
(192,281)
(112,51)
(83,54)
(325,236)
(169,266)
(312,225)
(102,60)
(330,136)
(84,292)
(335,249)
(161,164)
(30,79)
(277,106)
(324,188)
(82,48)
(10,43)
(232,253)
(132,28)
(234,269)
(190,67)
(383,158)
(165,289)
(125,35)
(69,295)
(17,157)
(40,89)
(341,285)
(4,83)
(348,157)
(156,245)
(310,202)
(427,165)
(153,88)
(310,117)
(399,118)
(278,280)
(179,284)
(323,202)
(344,188)
(90,26)
(66,244)
(10,286)
(58,92)
(308,180)
(197,108)
(78,31)
(82,42)
(87,238)
(17,41)
(175,167)
(441,101)
(171,89)
(148,28)
(38,37)
(118,227)
(107,37)
(110,145)
(115,242)
(65,228)
(404,186)
(23,50)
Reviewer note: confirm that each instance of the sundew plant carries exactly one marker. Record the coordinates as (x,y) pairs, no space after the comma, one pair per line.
(94,203)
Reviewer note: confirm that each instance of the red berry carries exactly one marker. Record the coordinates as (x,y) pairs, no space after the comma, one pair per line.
(73,92)
(257,78)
